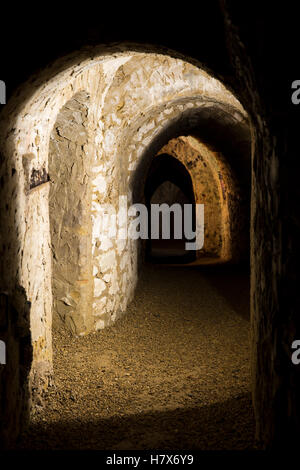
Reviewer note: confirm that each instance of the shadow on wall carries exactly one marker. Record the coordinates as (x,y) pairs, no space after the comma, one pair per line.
(14,386)
(14,319)
(222,426)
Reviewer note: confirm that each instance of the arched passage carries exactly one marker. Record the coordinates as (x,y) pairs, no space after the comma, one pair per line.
(139,101)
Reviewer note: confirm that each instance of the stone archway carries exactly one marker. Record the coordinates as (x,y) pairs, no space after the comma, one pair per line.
(169,182)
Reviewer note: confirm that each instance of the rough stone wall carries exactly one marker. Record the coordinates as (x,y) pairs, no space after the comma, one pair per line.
(216,188)
(275,299)
(70,217)
(206,192)
(234,204)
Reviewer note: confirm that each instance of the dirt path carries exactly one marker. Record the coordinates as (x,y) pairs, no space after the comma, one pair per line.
(172,373)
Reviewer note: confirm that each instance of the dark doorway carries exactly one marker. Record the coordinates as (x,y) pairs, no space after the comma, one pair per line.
(169,182)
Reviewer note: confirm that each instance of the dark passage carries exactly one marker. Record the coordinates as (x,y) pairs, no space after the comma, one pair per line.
(169,182)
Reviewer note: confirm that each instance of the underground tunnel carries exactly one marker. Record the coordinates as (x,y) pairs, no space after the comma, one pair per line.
(119,342)
(154,129)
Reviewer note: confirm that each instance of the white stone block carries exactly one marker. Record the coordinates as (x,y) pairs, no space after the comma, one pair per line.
(99,306)
(95,270)
(107,260)
(106,244)
(100,183)
(99,287)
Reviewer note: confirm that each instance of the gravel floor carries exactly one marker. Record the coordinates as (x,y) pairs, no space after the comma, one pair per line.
(173,373)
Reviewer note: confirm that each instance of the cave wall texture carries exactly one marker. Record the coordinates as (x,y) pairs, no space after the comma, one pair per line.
(216,188)
(249,57)
(264,90)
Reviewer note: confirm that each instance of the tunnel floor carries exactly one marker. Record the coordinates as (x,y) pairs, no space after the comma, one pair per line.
(173,373)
